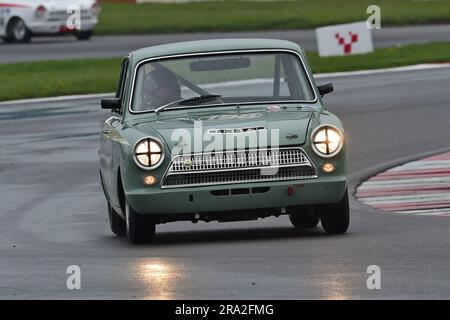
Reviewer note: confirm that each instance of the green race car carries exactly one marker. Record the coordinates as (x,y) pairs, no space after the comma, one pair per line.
(222,130)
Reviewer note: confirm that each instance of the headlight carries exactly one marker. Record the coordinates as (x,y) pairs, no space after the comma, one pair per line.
(96,8)
(40,12)
(148,153)
(327,141)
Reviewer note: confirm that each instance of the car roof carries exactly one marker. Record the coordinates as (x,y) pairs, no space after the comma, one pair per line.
(211,46)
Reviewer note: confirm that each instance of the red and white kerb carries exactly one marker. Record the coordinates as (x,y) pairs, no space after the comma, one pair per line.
(419,188)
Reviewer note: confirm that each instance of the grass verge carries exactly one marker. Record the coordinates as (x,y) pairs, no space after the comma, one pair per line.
(263,15)
(54,78)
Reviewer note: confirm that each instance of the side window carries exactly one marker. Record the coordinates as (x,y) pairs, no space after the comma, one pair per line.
(122,79)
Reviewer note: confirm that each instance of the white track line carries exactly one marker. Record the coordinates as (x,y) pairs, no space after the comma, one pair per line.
(407,198)
(444,164)
(428,212)
(378,184)
(59,98)
(422,66)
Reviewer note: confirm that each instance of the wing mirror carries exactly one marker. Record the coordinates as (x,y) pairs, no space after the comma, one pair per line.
(111,104)
(325,88)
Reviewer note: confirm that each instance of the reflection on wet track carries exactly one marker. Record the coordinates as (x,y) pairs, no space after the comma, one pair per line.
(158,276)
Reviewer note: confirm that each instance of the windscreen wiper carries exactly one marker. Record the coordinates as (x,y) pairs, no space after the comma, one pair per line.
(199,99)
(190,101)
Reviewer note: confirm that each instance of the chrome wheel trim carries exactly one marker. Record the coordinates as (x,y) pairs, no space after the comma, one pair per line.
(19,30)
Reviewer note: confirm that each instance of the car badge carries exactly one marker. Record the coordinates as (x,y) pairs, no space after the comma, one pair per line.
(187,163)
(291,136)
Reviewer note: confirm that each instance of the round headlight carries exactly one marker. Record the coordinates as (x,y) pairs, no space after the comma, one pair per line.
(327,141)
(95,9)
(148,153)
(40,12)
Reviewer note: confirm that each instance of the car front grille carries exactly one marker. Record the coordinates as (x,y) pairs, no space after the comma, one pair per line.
(241,166)
(62,15)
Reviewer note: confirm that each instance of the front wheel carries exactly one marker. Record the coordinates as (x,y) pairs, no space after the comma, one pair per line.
(7,40)
(140,228)
(335,218)
(303,217)
(83,35)
(116,223)
(18,32)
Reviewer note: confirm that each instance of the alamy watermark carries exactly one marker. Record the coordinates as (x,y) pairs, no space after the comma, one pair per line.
(374,280)
(374,20)
(220,147)
(74,20)
(220,140)
(73,281)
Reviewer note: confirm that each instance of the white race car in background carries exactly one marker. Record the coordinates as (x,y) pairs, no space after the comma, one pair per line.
(22,19)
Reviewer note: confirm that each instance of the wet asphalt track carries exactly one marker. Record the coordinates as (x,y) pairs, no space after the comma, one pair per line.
(67,47)
(53,213)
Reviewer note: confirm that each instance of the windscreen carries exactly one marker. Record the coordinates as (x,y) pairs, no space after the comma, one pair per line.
(221,79)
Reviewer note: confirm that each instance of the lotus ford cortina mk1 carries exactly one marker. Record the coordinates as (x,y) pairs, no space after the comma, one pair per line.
(224,130)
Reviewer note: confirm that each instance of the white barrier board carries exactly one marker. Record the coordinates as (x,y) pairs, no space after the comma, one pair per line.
(344,39)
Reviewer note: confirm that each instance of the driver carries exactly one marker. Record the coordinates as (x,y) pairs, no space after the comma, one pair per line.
(161,86)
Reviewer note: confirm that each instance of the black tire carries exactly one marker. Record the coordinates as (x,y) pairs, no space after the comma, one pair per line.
(18,31)
(83,35)
(140,228)
(303,217)
(116,222)
(7,40)
(335,218)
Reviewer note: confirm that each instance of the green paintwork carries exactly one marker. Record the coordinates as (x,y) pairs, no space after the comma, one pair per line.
(122,130)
